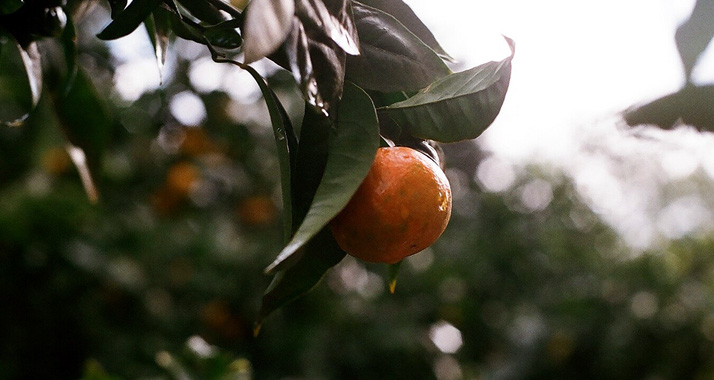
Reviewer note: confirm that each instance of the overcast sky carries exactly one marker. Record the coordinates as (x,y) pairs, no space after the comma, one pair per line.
(578,65)
(576,62)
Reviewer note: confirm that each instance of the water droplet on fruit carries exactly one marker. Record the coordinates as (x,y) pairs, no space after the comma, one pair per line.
(443,201)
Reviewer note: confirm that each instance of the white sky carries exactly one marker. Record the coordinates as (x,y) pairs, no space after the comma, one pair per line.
(578,65)
(576,61)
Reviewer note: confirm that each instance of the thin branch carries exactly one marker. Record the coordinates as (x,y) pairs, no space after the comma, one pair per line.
(221,58)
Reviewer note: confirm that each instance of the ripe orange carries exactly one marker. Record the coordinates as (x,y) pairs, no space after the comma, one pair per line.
(181,177)
(401,208)
(257,210)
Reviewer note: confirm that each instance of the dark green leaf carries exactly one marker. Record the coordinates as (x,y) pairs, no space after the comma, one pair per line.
(204,11)
(341,11)
(311,159)
(130,19)
(86,123)
(286,144)
(393,58)
(352,148)
(182,27)
(158,26)
(267,24)
(695,34)
(328,63)
(458,107)
(221,35)
(335,23)
(297,52)
(321,254)
(116,6)
(404,14)
(20,79)
(10,6)
(68,39)
(693,105)
(317,65)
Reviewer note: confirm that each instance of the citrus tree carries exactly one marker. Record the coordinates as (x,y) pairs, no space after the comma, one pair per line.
(371,75)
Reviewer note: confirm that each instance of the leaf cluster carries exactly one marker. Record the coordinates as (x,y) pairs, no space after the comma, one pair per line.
(370,73)
(692,105)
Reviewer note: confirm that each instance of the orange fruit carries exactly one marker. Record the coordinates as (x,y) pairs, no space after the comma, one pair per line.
(181,177)
(401,208)
(56,161)
(196,142)
(257,210)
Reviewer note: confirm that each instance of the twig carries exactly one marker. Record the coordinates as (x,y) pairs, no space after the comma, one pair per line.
(221,58)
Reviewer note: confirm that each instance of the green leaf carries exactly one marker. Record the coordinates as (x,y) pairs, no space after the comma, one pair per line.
(695,34)
(10,6)
(116,6)
(393,58)
(335,23)
(158,27)
(458,107)
(221,35)
(318,65)
(129,19)
(353,145)
(404,14)
(20,79)
(204,11)
(267,24)
(692,105)
(310,162)
(86,122)
(68,39)
(321,254)
(346,35)
(328,64)
(286,143)
(224,35)
(181,26)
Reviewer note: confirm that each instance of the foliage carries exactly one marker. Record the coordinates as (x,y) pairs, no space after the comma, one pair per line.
(335,51)
(121,289)
(692,105)
(157,274)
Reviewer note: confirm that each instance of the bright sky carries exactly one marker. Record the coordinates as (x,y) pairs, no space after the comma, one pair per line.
(577,66)
(576,62)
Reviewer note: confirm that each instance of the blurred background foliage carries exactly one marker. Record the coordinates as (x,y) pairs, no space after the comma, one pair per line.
(162,278)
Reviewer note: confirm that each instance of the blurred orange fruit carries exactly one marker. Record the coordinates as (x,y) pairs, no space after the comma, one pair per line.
(56,161)
(196,142)
(181,178)
(257,210)
(401,208)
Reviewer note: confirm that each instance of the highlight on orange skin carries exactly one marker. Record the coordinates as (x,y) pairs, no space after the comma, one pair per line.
(402,207)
